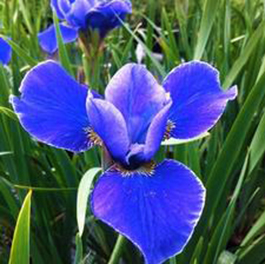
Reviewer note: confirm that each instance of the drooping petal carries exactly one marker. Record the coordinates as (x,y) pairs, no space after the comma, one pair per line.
(55,6)
(198,100)
(5,52)
(48,41)
(110,126)
(107,14)
(138,96)
(157,213)
(52,107)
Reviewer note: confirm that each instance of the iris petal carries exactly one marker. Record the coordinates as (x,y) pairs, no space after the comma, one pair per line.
(65,6)
(5,52)
(143,153)
(156,132)
(157,213)
(55,6)
(48,41)
(198,100)
(107,15)
(52,107)
(138,96)
(77,15)
(109,124)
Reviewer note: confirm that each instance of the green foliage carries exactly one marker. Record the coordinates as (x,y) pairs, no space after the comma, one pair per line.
(82,197)
(20,251)
(230,161)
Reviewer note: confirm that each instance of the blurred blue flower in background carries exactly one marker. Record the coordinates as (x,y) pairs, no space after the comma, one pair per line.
(47,38)
(156,206)
(5,52)
(84,15)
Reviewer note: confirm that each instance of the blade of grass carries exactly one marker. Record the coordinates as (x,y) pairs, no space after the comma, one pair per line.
(82,197)
(63,55)
(257,229)
(78,250)
(233,144)
(247,51)
(155,62)
(22,53)
(8,112)
(223,230)
(257,147)
(26,15)
(20,250)
(253,254)
(209,13)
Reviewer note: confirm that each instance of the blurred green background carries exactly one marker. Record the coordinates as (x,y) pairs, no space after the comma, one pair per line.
(230,162)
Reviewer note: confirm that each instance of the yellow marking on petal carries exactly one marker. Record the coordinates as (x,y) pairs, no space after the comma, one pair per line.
(170,126)
(94,137)
(146,169)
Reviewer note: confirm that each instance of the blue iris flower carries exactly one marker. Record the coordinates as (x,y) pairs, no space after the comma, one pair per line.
(81,15)
(5,52)
(156,206)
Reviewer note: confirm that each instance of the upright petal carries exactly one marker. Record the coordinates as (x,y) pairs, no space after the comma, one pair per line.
(157,213)
(109,124)
(5,52)
(138,96)
(156,132)
(52,107)
(143,153)
(198,100)
(78,12)
(65,6)
(55,6)
(106,15)
(48,41)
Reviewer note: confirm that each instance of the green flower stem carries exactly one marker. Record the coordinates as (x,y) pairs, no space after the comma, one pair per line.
(116,253)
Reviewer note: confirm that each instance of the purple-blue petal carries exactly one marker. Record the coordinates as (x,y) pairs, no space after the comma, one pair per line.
(48,41)
(55,6)
(138,96)
(78,12)
(65,6)
(110,126)
(156,132)
(52,107)
(95,94)
(158,213)
(107,15)
(143,153)
(5,52)
(198,99)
